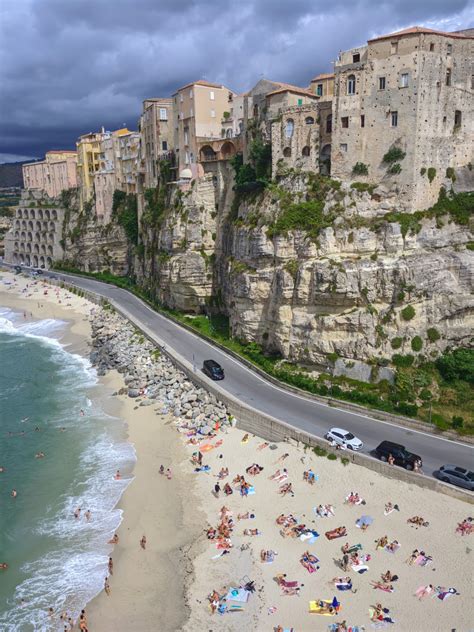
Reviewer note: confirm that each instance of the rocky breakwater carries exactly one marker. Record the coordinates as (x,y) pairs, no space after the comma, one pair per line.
(151,377)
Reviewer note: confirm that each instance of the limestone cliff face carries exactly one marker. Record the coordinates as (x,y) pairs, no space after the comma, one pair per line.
(343,292)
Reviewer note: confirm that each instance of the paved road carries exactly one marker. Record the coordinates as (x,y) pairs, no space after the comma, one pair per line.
(299,411)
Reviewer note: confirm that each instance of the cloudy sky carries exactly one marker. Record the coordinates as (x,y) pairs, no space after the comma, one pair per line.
(70,66)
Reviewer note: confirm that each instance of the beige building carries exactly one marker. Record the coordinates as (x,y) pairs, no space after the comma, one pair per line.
(157,131)
(199,109)
(410,93)
(323,86)
(127,163)
(57,172)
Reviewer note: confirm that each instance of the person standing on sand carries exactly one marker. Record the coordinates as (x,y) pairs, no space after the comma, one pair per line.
(111,566)
(168,474)
(143,542)
(217,489)
(162,469)
(107,586)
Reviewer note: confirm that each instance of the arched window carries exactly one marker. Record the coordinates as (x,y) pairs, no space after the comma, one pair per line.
(287,152)
(306,151)
(309,120)
(290,127)
(351,84)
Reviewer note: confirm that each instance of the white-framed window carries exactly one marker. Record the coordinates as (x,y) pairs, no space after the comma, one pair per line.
(186,157)
(191,93)
(213,114)
(163,114)
(181,97)
(343,147)
(191,112)
(212,95)
(404,80)
(381,83)
(351,84)
(394,119)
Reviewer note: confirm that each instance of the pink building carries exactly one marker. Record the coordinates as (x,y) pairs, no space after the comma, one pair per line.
(57,172)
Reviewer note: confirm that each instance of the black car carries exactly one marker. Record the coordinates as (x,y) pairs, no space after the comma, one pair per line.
(213,370)
(400,454)
(18,269)
(456,476)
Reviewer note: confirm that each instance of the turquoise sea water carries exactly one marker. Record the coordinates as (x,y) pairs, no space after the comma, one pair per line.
(54,559)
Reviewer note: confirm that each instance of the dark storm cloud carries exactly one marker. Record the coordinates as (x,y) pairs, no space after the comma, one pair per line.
(70,66)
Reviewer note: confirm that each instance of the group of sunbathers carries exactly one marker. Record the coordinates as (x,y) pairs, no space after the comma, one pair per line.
(386,582)
(419,558)
(309,476)
(254,469)
(309,561)
(324,511)
(418,521)
(241,483)
(466,527)
(354,499)
(267,556)
(224,529)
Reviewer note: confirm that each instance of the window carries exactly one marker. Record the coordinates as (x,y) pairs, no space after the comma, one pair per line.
(329,124)
(381,83)
(186,136)
(449,49)
(355,58)
(404,80)
(362,120)
(431,47)
(306,151)
(289,128)
(345,121)
(163,114)
(393,48)
(351,84)
(472,82)
(457,118)
(191,112)
(394,119)
(212,95)
(191,93)
(181,97)
(300,101)
(309,120)
(164,145)
(343,147)
(448,77)
(213,114)
(186,158)
(319,89)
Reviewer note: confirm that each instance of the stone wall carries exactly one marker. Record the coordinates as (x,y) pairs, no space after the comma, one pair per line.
(296,147)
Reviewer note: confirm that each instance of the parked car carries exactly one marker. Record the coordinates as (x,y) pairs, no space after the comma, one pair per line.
(17,269)
(401,455)
(39,270)
(456,476)
(213,370)
(344,438)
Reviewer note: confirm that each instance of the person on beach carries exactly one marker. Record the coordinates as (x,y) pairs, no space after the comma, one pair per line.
(162,469)
(217,489)
(111,566)
(88,515)
(50,612)
(113,540)
(168,474)
(81,412)
(143,542)
(391,460)
(77,512)
(14,493)
(107,586)
(117,476)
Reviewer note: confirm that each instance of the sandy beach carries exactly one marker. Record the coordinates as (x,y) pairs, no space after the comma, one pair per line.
(166,586)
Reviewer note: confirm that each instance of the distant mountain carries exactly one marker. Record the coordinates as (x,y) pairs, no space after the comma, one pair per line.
(11,174)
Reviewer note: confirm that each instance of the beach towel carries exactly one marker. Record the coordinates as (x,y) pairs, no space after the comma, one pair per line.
(354,548)
(315,608)
(251,490)
(238,594)
(344,586)
(359,568)
(204,468)
(206,447)
(423,591)
(423,560)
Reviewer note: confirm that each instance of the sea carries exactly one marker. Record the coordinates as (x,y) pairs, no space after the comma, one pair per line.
(51,403)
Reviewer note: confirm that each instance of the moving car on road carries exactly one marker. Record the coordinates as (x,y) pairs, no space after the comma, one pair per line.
(213,370)
(344,438)
(399,453)
(456,476)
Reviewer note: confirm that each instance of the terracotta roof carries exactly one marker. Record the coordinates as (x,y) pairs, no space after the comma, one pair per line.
(287,87)
(420,30)
(324,75)
(201,82)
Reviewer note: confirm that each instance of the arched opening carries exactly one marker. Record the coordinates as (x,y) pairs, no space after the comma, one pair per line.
(28,260)
(22,259)
(17,224)
(207,154)
(35,261)
(41,262)
(22,247)
(38,225)
(228,150)
(43,249)
(351,84)
(16,246)
(49,262)
(306,151)
(23,224)
(17,235)
(29,236)
(325,160)
(37,237)
(329,124)
(228,133)
(32,214)
(289,128)
(15,258)
(23,236)
(287,152)
(47,215)
(19,213)
(309,120)
(51,238)
(30,225)
(50,250)
(40,214)
(52,225)
(28,247)
(54,215)
(36,249)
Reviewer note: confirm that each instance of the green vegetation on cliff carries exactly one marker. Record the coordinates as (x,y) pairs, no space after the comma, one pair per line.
(124,210)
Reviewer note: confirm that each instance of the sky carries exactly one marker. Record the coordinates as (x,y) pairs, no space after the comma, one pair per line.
(68,67)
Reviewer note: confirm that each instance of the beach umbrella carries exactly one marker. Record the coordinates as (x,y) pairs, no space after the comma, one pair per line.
(365,520)
(335,603)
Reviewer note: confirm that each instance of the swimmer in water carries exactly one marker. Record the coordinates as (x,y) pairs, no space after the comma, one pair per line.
(88,515)
(3,566)
(117,476)
(81,412)
(77,512)
(39,455)
(114,540)
(14,493)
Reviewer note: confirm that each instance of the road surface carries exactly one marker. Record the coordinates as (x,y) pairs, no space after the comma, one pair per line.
(301,412)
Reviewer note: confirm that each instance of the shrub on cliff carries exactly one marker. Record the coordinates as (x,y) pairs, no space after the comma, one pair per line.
(417,343)
(408,312)
(457,365)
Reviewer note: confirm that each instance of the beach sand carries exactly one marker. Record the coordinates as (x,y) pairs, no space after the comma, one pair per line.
(147,588)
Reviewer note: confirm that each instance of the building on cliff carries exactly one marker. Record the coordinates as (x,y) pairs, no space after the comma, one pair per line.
(52,175)
(323,86)
(199,109)
(403,111)
(156,127)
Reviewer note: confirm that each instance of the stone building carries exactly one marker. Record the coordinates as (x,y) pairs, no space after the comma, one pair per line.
(295,139)
(410,93)
(127,161)
(157,129)
(35,238)
(199,109)
(323,86)
(56,173)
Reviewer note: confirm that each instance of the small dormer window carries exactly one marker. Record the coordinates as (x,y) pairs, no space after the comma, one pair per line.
(355,58)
